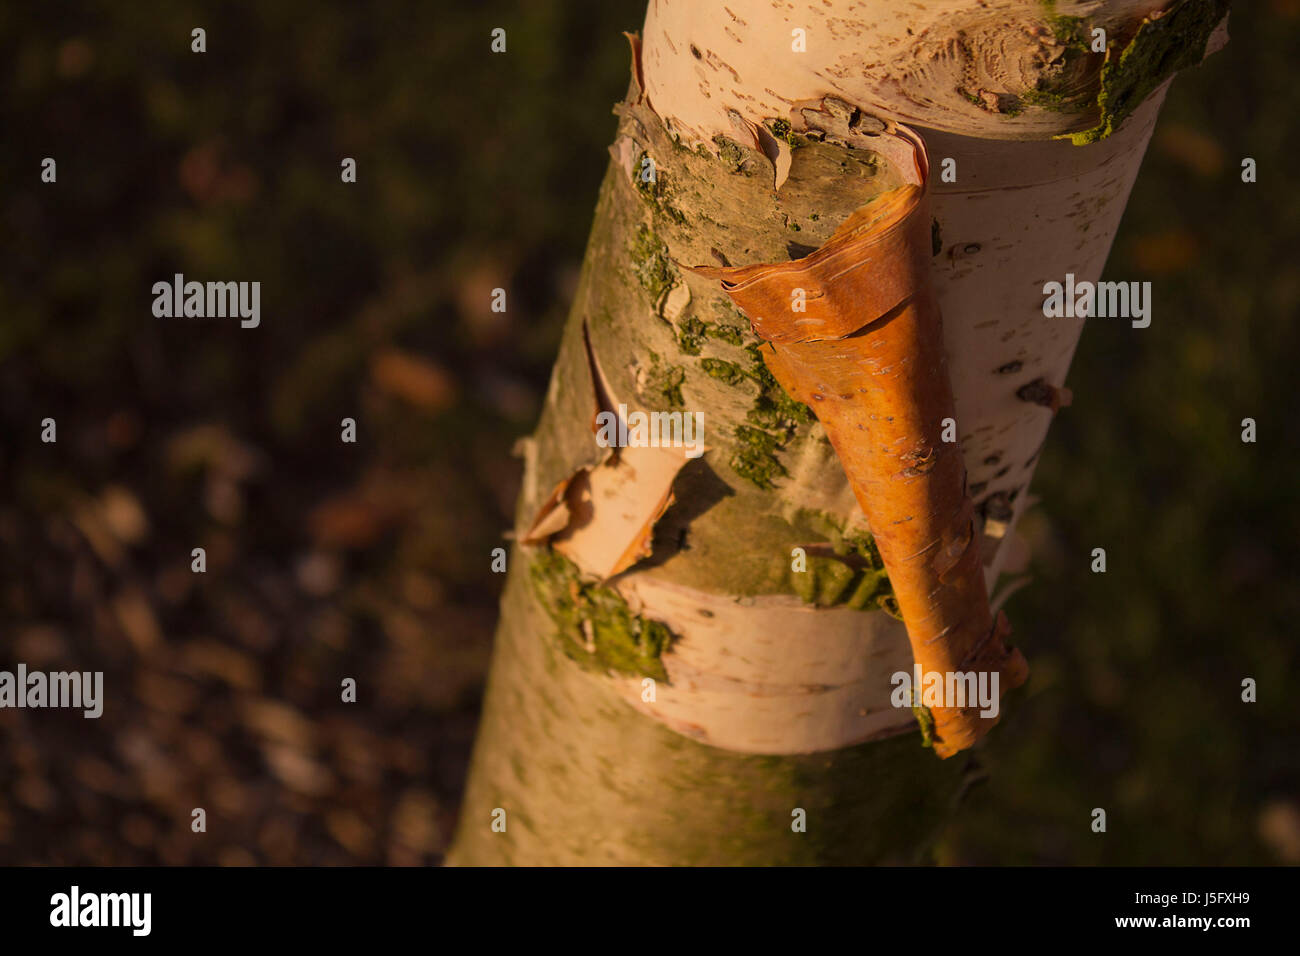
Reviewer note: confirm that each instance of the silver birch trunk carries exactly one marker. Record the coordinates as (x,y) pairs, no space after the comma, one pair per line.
(668,687)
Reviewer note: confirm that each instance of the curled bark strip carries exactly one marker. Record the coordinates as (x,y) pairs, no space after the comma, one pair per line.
(602,516)
(867,356)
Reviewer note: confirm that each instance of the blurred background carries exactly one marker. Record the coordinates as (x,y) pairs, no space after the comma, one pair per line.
(371,560)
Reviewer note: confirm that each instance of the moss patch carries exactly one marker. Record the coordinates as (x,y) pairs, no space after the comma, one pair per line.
(664,382)
(852,574)
(774,408)
(1046,98)
(691,333)
(724,371)
(1070,31)
(749,553)
(831,582)
(728,333)
(755,458)
(773,418)
(733,156)
(594,625)
(650,264)
(925,720)
(783,131)
(1162,46)
(653,187)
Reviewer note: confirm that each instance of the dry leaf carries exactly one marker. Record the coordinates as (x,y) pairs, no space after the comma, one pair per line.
(413,379)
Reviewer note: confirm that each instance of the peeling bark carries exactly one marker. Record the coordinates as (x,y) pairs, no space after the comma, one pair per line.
(854,332)
(631,489)
(777,684)
(998,69)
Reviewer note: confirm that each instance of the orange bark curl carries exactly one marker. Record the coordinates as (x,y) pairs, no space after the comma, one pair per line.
(853,330)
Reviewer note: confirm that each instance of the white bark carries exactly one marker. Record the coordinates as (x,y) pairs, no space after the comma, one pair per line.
(1024,210)
(916,63)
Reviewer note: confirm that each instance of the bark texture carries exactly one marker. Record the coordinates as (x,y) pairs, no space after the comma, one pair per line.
(667,686)
(854,332)
(585,780)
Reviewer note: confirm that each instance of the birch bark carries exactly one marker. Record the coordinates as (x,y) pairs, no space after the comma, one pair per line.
(667,686)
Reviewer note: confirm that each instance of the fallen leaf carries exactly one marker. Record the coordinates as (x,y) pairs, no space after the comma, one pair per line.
(413,379)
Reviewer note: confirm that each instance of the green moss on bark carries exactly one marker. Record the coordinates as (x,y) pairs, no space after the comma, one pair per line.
(783,131)
(664,382)
(724,371)
(691,333)
(829,582)
(755,457)
(1162,46)
(774,408)
(654,188)
(594,625)
(650,264)
(727,333)
(733,157)
(925,720)
(851,575)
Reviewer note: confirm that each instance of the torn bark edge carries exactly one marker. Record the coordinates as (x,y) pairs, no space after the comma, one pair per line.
(637,91)
(869,326)
(553,514)
(831,120)
(602,516)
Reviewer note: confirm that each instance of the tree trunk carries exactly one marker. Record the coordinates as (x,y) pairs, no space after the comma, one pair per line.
(694,658)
